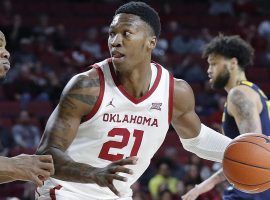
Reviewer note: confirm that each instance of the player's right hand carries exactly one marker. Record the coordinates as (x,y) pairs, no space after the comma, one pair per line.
(191,194)
(104,176)
(35,168)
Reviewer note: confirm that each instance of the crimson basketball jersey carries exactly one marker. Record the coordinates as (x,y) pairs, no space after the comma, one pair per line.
(121,126)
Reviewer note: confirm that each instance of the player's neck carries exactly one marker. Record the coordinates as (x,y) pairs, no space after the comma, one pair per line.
(136,82)
(235,80)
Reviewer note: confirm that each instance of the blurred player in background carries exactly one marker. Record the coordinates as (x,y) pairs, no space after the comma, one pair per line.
(118,114)
(22,167)
(246,109)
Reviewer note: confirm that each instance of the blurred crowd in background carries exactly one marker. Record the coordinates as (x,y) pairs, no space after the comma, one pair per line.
(50,41)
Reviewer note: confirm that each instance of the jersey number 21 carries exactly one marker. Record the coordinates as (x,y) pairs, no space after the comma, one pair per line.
(137,134)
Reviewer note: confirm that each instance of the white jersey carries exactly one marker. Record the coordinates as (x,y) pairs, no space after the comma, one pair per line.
(121,126)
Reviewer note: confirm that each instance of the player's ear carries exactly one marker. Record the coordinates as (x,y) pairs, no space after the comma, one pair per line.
(152,42)
(234,63)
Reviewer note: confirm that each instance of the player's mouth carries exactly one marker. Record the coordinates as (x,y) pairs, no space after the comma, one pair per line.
(6,65)
(117,56)
(210,78)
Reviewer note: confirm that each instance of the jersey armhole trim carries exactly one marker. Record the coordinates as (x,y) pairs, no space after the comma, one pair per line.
(171,91)
(100,96)
(52,191)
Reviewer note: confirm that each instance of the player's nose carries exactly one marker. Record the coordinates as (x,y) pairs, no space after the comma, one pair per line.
(4,54)
(209,71)
(116,41)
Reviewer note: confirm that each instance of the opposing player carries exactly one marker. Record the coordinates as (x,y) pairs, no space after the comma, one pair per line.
(23,167)
(246,108)
(112,119)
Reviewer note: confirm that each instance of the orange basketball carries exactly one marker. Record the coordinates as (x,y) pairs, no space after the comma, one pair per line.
(246,163)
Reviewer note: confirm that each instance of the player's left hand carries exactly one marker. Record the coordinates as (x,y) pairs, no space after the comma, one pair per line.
(104,176)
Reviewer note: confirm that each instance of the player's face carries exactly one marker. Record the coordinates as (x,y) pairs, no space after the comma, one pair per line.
(4,57)
(218,71)
(130,41)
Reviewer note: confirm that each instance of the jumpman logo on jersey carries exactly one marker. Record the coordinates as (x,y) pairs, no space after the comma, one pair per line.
(110,103)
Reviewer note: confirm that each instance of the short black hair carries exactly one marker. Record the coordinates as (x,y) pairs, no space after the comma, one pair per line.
(166,161)
(145,12)
(231,47)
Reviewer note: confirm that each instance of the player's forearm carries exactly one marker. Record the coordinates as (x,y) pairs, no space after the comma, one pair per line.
(209,144)
(67,169)
(6,167)
(7,172)
(211,182)
(6,179)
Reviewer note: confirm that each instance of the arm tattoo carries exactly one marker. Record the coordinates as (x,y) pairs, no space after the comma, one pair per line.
(66,103)
(83,82)
(88,99)
(68,111)
(77,172)
(244,109)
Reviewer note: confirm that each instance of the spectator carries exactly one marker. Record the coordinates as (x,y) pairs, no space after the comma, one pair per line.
(193,176)
(29,87)
(161,48)
(207,101)
(60,38)
(76,57)
(16,31)
(218,7)
(43,28)
(163,179)
(189,70)
(182,43)
(165,195)
(6,13)
(177,169)
(264,29)
(6,141)
(264,57)
(25,134)
(90,44)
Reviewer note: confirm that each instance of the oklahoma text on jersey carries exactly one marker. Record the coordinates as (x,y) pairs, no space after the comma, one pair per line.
(131,119)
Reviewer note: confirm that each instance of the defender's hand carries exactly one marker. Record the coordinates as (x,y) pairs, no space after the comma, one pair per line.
(191,194)
(35,168)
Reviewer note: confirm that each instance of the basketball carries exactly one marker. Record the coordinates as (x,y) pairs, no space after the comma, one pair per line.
(246,163)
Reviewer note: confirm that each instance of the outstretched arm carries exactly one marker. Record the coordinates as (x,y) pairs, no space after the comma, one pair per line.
(205,186)
(195,137)
(77,100)
(26,168)
(244,107)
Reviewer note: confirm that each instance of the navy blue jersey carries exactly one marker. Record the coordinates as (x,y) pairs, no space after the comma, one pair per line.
(229,126)
(231,130)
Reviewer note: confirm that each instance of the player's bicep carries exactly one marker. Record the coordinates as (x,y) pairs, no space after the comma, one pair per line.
(187,125)
(244,111)
(61,129)
(185,121)
(77,100)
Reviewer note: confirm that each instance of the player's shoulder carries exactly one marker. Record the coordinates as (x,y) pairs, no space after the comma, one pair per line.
(181,87)
(83,82)
(183,97)
(82,92)
(243,92)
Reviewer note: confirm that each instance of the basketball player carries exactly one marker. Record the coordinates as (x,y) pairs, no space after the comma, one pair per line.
(22,167)
(112,119)
(246,108)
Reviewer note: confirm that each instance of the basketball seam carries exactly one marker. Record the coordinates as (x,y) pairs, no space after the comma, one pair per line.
(228,177)
(247,164)
(251,143)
